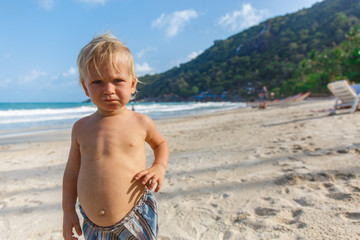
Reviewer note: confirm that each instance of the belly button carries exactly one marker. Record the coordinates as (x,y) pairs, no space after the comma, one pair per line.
(101,212)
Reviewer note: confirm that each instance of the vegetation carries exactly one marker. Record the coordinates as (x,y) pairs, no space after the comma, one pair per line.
(288,54)
(316,71)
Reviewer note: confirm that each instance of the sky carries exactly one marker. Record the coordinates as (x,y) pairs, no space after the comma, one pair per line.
(41,39)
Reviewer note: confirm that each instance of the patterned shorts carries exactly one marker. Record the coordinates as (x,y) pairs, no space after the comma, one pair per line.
(140,223)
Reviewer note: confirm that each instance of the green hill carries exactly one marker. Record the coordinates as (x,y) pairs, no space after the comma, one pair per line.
(264,55)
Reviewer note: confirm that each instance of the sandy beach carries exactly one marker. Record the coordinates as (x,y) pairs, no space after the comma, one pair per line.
(285,172)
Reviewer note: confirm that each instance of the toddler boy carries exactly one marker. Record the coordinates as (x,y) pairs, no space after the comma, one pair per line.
(106,169)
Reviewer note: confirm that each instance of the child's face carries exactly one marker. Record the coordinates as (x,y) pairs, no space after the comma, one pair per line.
(112,90)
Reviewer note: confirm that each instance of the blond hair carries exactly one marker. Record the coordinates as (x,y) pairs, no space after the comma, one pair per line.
(101,49)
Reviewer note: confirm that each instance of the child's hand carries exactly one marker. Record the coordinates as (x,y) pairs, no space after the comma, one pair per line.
(152,176)
(71,221)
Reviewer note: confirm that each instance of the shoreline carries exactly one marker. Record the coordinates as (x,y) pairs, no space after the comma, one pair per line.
(36,119)
(288,172)
(39,134)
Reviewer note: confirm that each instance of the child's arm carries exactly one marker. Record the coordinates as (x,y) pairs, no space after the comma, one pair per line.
(160,147)
(70,219)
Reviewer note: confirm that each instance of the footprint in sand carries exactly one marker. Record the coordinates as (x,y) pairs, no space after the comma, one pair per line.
(231,234)
(296,214)
(340,196)
(303,202)
(352,215)
(334,192)
(294,218)
(291,164)
(240,218)
(344,176)
(263,212)
(354,189)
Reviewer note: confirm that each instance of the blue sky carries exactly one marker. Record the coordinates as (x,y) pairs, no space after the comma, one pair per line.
(40,39)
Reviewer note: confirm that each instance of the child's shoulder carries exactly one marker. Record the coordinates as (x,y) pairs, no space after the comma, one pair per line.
(84,119)
(82,122)
(142,118)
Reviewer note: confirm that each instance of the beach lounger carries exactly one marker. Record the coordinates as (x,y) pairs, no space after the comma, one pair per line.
(345,95)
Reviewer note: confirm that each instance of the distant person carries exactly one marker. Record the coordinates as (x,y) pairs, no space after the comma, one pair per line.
(106,169)
(133,107)
(266,93)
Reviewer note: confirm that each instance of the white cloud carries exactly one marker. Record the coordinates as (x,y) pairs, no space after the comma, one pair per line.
(188,58)
(175,22)
(94,2)
(71,72)
(143,69)
(160,22)
(242,19)
(144,51)
(33,75)
(46,4)
(194,54)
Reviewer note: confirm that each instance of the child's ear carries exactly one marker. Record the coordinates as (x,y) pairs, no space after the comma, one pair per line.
(85,88)
(133,85)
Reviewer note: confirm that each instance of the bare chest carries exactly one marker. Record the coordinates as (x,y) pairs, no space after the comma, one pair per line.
(106,142)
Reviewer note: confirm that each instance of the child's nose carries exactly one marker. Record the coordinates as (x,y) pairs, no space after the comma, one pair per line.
(109,88)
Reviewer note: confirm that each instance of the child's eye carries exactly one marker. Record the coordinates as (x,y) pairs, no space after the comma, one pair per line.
(118,80)
(96,82)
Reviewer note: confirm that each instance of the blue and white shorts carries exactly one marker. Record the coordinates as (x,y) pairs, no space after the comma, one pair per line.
(140,223)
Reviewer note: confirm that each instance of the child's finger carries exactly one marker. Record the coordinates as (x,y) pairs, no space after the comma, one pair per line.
(159,184)
(78,229)
(141,174)
(147,177)
(154,181)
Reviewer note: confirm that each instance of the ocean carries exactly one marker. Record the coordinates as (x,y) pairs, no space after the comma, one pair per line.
(16,118)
